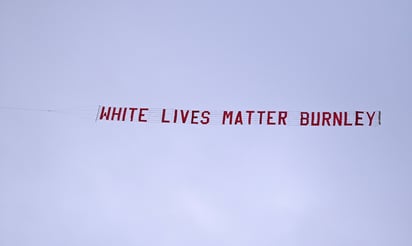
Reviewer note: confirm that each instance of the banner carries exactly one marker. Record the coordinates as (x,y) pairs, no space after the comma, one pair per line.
(146,115)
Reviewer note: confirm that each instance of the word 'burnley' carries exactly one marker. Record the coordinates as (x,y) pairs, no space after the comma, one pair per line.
(246,117)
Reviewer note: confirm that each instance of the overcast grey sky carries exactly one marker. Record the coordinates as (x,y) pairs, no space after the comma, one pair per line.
(67,180)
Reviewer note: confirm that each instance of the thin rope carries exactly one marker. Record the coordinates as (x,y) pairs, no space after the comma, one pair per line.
(27,109)
(80,112)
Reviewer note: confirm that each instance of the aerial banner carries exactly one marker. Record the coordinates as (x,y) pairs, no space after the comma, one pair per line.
(250,117)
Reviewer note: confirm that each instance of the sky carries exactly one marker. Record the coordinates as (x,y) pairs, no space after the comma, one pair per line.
(68,180)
